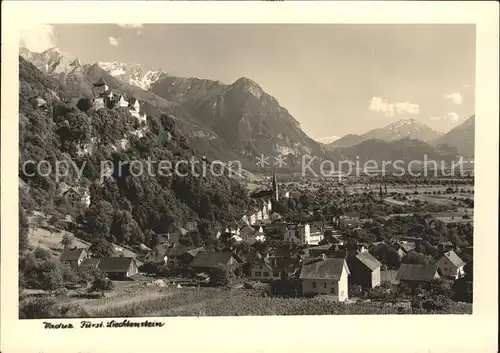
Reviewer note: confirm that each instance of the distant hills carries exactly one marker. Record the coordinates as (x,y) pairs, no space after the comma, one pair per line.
(404,150)
(461,136)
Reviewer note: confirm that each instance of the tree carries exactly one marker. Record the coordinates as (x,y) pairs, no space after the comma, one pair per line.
(124,229)
(219,276)
(206,209)
(101,283)
(86,275)
(416,258)
(328,236)
(101,248)
(23,230)
(387,256)
(67,240)
(99,218)
(41,271)
(55,221)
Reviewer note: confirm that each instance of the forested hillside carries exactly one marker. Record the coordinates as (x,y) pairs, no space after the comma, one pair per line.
(124,208)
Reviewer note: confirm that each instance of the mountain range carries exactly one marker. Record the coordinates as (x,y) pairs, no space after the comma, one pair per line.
(398,130)
(237,121)
(461,136)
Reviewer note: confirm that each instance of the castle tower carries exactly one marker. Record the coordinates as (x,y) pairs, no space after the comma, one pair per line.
(275,186)
(100,87)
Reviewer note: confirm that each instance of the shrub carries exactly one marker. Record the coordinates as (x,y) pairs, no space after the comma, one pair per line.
(38,308)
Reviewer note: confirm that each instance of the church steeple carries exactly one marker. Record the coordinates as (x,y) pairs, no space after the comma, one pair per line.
(275,186)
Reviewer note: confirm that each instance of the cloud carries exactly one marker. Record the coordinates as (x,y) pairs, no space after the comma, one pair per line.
(37,37)
(380,105)
(456,98)
(115,42)
(452,116)
(136,26)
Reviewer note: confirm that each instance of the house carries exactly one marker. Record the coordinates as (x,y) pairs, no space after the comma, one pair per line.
(417,274)
(190,254)
(316,251)
(365,269)
(451,265)
(192,226)
(158,255)
(266,211)
(407,247)
(408,239)
(446,245)
(262,270)
(90,263)
(99,103)
(73,257)
(250,217)
(39,103)
(297,233)
(134,104)
(111,96)
(315,235)
(286,266)
(234,227)
(118,268)
(182,253)
(207,261)
(122,102)
(325,276)
(77,196)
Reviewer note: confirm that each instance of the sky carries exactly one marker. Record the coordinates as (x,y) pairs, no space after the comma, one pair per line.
(334,79)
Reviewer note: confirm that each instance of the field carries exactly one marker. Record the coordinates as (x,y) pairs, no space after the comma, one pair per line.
(395,202)
(51,240)
(134,300)
(48,239)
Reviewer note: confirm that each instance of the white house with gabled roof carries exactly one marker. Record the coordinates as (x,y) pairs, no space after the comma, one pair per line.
(451,265)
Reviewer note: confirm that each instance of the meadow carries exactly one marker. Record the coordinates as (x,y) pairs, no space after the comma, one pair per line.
(135,300)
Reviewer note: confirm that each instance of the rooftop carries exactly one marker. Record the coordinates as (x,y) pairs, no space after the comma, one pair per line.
(411,272)
(330,268)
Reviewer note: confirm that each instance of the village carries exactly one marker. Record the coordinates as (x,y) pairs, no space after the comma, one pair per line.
(344,258)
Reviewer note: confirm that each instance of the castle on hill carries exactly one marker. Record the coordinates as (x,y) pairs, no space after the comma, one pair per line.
(104,97)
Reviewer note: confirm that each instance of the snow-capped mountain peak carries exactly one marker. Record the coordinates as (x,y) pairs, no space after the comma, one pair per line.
(52,60)
(132,74)
(408,127)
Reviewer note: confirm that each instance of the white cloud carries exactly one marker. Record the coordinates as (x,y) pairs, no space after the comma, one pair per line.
(37,37)
(407,107)
(451,116)
(456,98)
(380,105)
(136,26)
(114,41)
